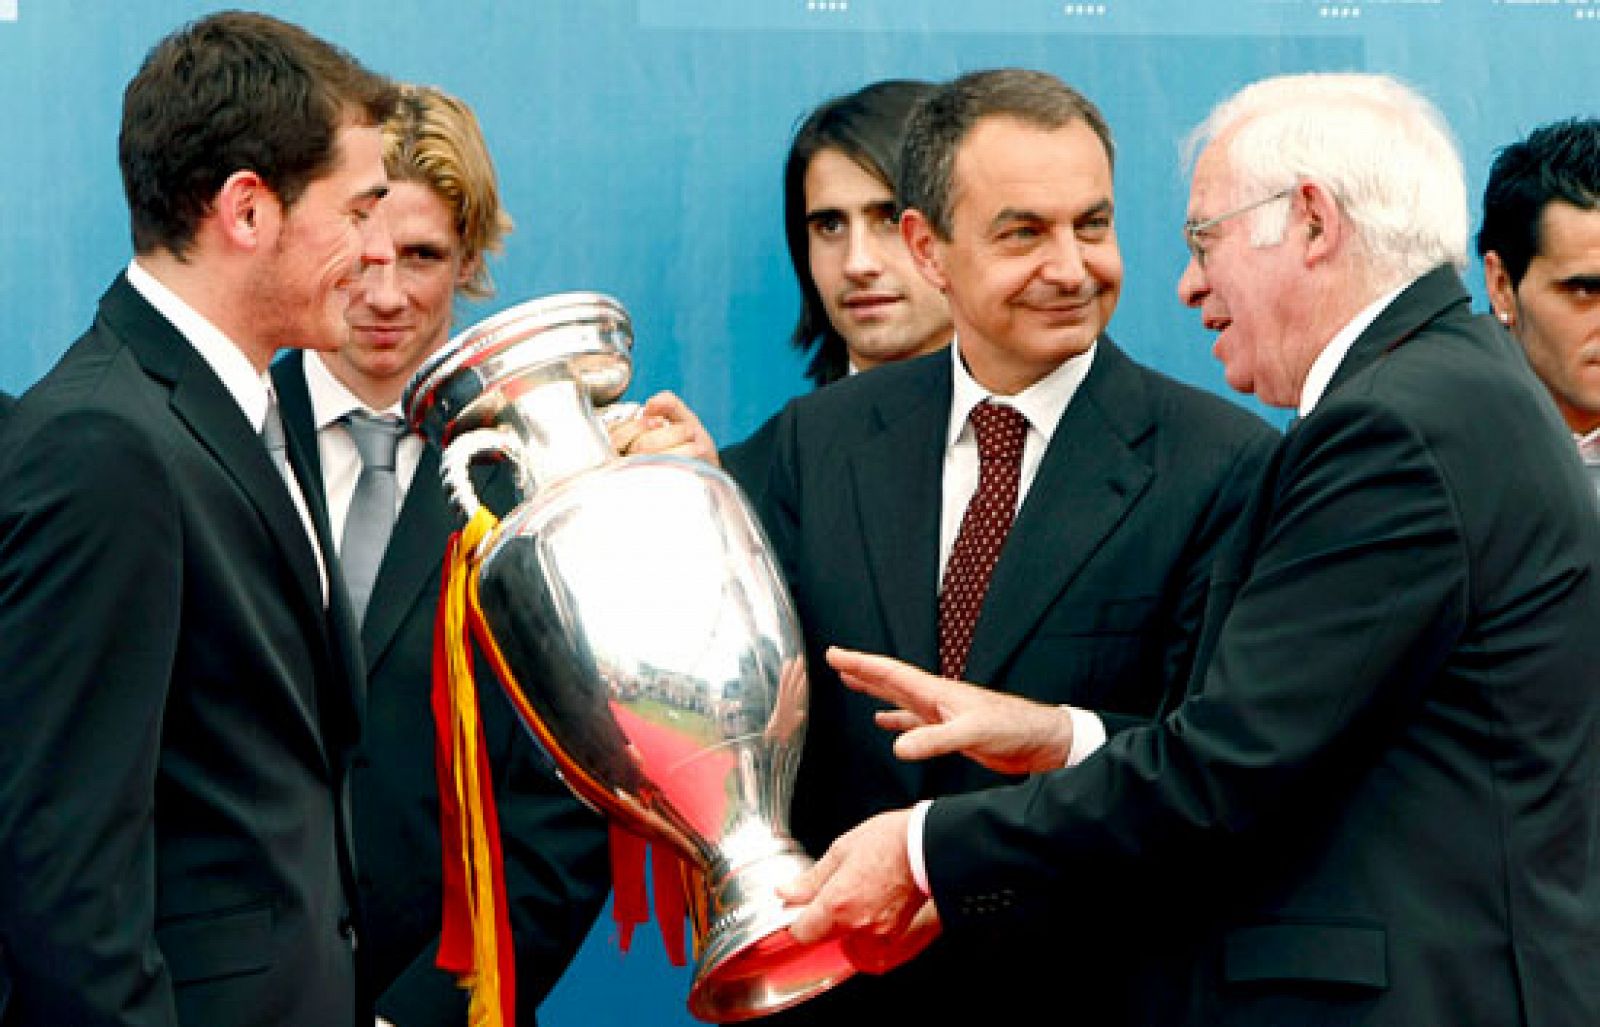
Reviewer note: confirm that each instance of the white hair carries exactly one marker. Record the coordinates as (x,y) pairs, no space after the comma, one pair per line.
(1381,149)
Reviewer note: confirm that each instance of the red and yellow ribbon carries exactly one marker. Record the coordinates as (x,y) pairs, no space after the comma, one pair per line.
(475,942)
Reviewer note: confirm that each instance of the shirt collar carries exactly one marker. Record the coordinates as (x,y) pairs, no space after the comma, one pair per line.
(1042,403)
(1333,354)
(1589,446)
(331,399)
(249,388)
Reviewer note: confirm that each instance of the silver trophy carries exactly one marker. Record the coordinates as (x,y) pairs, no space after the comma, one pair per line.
(644,632)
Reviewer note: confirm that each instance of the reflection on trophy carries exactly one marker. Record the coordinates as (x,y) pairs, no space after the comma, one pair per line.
(640,627)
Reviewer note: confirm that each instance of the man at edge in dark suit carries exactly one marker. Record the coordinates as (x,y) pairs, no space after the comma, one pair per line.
(862,300)
(179,670)
(1123,494)
(1376,803)
(443,212)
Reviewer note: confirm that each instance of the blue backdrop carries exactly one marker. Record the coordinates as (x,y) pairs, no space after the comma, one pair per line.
(640,145)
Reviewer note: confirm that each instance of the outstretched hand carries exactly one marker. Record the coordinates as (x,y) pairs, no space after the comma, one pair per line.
(937,716)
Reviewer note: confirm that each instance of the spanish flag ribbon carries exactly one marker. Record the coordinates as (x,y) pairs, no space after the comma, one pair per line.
(670,879)
(475,942)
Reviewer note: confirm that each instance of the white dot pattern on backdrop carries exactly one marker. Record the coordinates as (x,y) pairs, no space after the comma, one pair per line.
(1001,431)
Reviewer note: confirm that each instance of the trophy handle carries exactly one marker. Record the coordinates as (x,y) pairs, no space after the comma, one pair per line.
(455,465)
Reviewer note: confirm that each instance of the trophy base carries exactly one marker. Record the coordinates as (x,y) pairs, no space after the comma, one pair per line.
(752,966)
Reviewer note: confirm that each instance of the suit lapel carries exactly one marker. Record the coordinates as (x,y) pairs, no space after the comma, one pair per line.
(897,475)
(299,421)
(203,403)
(300,431)
(1089,478)
(409,572)
(1417,305)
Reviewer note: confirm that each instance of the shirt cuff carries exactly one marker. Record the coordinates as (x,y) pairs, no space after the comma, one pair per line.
(1088,734)
(919,866)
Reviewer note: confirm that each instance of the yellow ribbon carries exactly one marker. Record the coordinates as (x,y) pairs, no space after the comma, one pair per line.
(492,997)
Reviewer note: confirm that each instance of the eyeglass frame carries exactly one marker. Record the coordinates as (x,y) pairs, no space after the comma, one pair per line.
(1193,230)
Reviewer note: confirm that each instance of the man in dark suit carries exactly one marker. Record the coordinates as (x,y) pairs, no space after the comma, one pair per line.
(178,666)
(1377,802)
(444,215)
(1122,495)
(1540,244)
(862,300)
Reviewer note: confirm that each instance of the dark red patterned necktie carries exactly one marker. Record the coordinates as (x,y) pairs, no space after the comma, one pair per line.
(1001,431)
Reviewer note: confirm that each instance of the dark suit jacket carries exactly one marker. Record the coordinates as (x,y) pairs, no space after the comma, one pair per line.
(1378,804)
(178,706)
(556,869)
(750,461)
(1094,601)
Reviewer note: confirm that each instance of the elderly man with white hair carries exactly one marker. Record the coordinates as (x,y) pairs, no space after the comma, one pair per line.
(1375,799)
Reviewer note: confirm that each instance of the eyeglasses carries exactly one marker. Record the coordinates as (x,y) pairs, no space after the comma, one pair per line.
(1194,231)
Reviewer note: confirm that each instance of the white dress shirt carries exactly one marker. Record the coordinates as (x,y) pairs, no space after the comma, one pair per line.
(341,461)
(1589,449)
(1042,404)
(1322,369)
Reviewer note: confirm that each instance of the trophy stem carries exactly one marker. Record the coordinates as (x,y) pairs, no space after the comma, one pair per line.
(751,965)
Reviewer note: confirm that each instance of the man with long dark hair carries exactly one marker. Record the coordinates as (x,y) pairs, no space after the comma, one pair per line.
(862,302)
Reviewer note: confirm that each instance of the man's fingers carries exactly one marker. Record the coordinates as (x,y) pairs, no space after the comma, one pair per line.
(813,924)
(624,434)
(932,740)
(897,720)
(882,677)
(876,952)
(667,404)
(803,887)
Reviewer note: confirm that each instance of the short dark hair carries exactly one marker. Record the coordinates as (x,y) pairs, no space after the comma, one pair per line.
(1559,161)
(865,126)
(928,155)
(230,92)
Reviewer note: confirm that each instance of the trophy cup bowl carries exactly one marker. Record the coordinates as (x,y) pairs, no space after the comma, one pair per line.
(642,630)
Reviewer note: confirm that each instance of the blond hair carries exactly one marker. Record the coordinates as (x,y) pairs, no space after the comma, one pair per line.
(434,139)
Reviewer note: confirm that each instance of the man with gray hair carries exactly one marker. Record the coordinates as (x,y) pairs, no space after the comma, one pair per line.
(1376,800)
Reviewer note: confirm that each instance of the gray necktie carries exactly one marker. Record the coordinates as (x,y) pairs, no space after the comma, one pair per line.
(272,438)
(372,505)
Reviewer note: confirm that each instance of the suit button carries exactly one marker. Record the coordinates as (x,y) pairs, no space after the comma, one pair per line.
(347,929)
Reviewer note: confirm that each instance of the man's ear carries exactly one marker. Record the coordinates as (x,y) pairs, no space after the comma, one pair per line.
(1502,294)
(1323,223)
(245,210)
(925,246)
